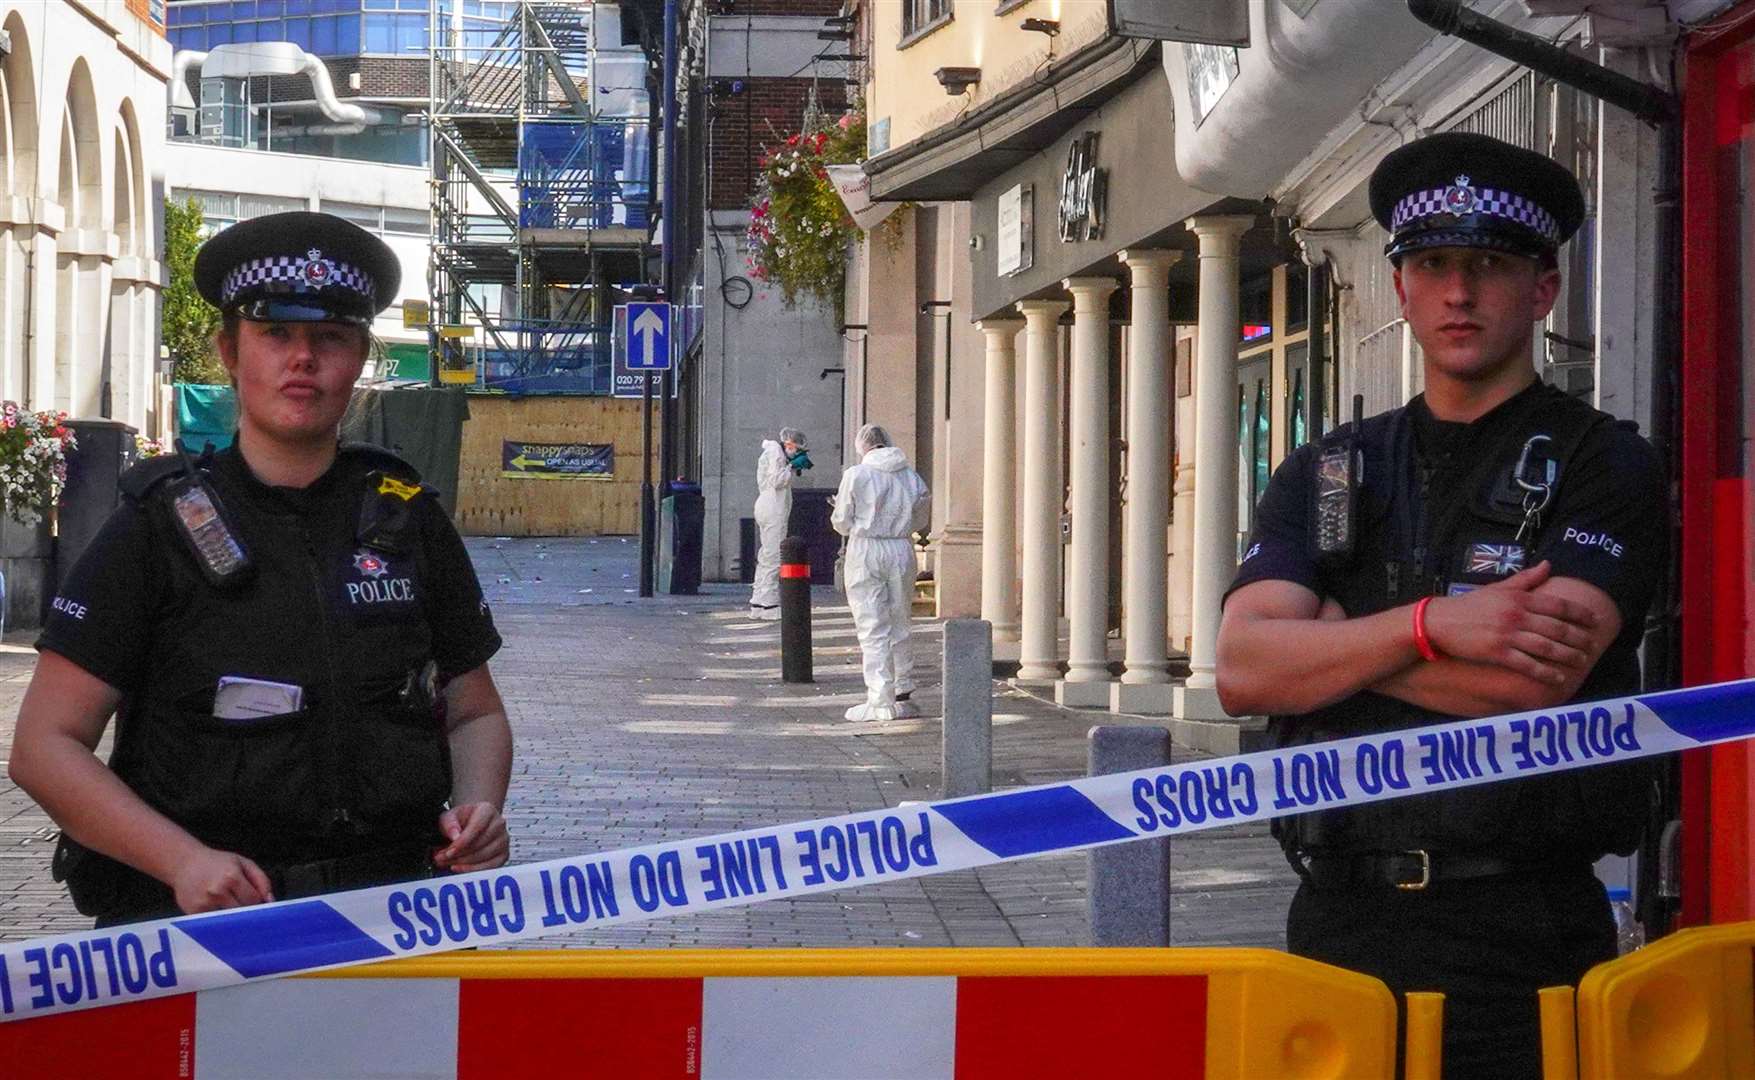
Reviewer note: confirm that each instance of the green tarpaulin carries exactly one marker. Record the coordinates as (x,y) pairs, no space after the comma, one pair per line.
(205,414)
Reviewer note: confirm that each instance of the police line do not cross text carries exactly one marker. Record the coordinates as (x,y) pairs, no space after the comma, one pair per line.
(191,953)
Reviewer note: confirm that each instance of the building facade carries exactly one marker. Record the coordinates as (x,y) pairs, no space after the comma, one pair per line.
(754,72)
(1177,280)
(82,91)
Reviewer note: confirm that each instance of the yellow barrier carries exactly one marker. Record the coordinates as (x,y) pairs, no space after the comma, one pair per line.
(975,1014)
(1100,1012)
(1682,1009)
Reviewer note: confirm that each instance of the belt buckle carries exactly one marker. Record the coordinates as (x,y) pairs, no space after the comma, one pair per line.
(1425,873)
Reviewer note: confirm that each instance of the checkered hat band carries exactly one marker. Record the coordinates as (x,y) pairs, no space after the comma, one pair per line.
(295,270)
(1487,201)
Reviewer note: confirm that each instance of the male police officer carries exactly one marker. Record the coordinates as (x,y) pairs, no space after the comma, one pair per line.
(1490,547)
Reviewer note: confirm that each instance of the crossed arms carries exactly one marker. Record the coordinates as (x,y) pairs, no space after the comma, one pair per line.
(1523,643)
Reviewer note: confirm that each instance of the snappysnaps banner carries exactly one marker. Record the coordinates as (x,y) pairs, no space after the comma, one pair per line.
(495,907)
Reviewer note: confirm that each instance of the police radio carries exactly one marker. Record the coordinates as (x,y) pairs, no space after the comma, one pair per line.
(1340,472)
(206,528)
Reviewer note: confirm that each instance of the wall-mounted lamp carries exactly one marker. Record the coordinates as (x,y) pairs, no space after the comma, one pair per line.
(1051,27)
(957,80)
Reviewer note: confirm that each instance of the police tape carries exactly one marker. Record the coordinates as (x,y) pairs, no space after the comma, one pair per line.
(495,907)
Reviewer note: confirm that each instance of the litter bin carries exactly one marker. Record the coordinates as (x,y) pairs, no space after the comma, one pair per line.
(810,520)
(681,516)
(104,451)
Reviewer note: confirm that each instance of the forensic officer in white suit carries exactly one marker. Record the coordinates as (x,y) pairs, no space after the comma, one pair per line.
(778,464)
(881,503)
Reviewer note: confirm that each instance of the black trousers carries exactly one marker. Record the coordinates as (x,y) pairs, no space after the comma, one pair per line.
(1486,944)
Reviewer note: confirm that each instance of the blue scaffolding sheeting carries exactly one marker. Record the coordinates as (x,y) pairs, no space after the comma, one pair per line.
(581,174)
(549,358)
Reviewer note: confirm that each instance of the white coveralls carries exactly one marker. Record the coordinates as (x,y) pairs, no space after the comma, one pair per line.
(881,502)
(773,511)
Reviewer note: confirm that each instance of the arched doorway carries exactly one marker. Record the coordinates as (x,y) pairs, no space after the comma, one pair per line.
(82,256)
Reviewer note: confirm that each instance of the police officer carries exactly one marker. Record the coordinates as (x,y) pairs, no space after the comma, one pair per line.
(289,632)
(1490,547)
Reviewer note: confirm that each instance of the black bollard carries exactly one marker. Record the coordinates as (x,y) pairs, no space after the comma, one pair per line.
(795,661)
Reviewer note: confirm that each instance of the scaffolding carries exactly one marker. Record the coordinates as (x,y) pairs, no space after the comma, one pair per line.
(541,152)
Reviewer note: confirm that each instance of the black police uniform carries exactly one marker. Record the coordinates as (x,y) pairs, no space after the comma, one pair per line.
(1486,893)
(345,791)
(355,589)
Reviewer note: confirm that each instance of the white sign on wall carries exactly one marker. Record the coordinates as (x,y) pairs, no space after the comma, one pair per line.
(1015,239)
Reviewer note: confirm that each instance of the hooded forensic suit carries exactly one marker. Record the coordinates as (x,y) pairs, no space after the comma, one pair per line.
(773,510)
(881,503)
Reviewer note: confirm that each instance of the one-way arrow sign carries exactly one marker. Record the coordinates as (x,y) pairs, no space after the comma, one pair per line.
(648,340)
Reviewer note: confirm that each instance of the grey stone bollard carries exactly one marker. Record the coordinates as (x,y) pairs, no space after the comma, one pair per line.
(1128,895)
(968,723)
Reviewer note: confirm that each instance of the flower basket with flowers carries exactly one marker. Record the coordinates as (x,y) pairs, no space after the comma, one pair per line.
(33,459)
(799,229)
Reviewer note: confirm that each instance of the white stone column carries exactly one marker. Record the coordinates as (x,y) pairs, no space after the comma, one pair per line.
(999,449)
(1087,575)
(1145,685)
(1182,530)
(45,320)
(1215,497)
(1039,630)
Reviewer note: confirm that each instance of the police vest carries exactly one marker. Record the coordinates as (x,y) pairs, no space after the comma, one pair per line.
(1417,537)
(332,603)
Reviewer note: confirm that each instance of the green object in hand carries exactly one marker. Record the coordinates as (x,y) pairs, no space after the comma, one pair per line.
(799,462)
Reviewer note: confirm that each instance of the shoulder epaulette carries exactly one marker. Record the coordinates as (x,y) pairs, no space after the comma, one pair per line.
(144,475)
(377,459)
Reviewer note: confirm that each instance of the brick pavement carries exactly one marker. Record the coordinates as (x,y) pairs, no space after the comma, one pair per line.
(639,721)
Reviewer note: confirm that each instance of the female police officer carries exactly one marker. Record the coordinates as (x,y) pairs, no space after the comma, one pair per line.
(289,632)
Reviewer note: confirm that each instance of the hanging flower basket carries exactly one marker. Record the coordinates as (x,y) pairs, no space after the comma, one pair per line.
(33,460)
(799,229)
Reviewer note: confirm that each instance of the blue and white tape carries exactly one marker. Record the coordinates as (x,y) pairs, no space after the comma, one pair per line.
(495,907)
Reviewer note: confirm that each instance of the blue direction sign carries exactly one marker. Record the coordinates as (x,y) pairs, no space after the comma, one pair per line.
(648,340)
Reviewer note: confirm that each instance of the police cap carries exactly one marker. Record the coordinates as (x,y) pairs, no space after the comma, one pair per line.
(1459,189)
(298,267)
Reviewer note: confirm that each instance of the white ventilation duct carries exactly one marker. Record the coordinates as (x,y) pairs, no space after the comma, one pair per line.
(243,61)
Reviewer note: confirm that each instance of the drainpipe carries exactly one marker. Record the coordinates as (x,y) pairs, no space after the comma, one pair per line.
(1659,108)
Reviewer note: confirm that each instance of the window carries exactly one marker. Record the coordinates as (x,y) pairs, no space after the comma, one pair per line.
(298,31)
(215,205)
(379,34)
(919,16)
(252,206)
(1297,297)
(270,9)
(323,41)
(407,222)
(366,217)
(1256,296)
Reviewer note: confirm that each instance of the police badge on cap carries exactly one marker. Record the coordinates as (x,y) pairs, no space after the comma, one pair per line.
(298,267)
(1459,189)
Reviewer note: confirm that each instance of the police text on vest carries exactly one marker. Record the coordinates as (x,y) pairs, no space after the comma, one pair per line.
(1593,539)
(391,590)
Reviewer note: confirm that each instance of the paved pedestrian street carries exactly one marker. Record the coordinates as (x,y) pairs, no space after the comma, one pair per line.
(638,721)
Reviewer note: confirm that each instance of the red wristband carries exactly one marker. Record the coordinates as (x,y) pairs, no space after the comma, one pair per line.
(1421,641)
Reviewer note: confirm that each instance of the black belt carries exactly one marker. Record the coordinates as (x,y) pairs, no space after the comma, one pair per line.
(409,862)
(1409,871)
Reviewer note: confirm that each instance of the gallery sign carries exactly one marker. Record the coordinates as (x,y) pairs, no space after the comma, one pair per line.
(1084,191)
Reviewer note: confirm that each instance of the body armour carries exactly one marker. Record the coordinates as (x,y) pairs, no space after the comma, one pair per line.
(1426,533)
(332,603)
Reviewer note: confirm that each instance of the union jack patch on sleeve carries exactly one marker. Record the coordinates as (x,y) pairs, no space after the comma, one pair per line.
(1499,559)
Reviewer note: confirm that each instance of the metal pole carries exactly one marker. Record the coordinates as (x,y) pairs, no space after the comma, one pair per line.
(795,629)
(648,542)
(648,505)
